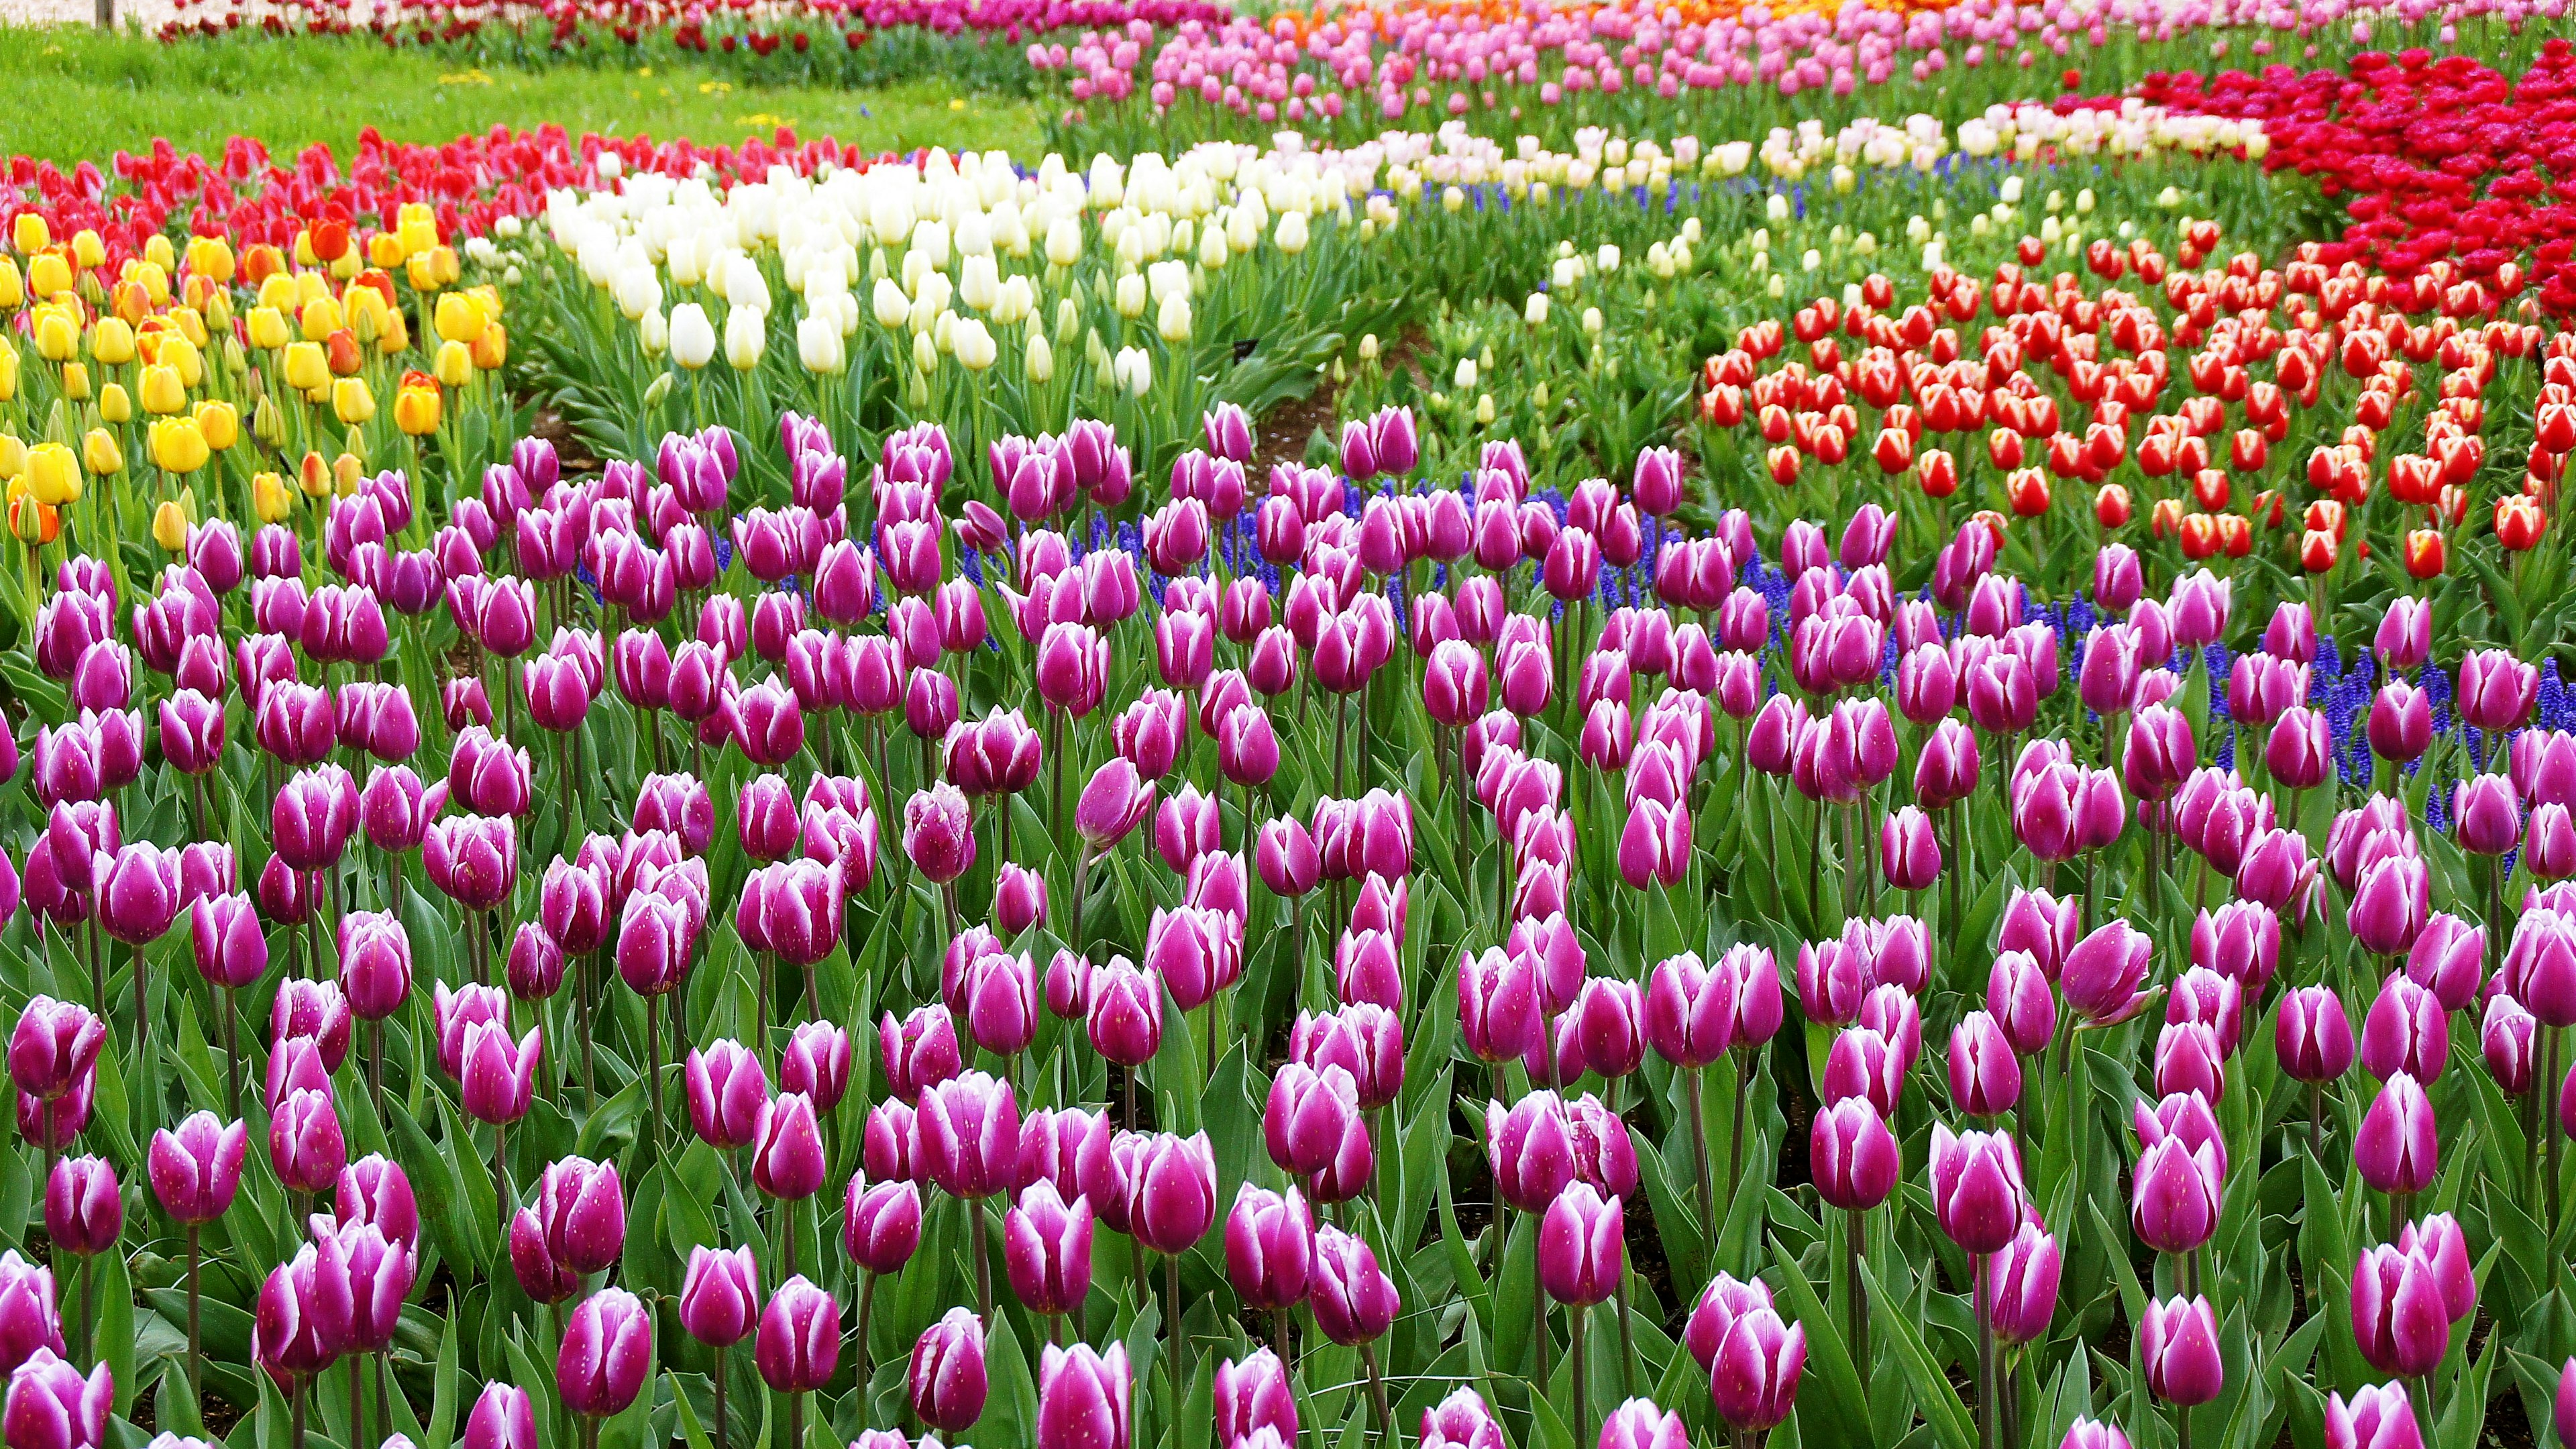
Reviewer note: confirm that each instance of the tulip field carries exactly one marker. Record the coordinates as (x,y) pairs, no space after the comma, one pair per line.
(1460,726)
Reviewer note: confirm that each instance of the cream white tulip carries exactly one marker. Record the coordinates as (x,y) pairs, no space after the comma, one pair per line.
(973,344)
(1040,359)
(818,345)
(746,336)
(1172,322)
(693,337)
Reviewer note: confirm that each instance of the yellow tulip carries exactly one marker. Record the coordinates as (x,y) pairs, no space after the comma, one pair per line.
(313,476)
(13,456)
(320,318)
(177,446)
(418,227)
(210,256)
(306,368)
(270,498)
(88,249)
(416,407)
(163,392)
(365,307)
(48,273)
(217,312)
(448,266)
(158,252)
(75,382)
(453,365)
(191,325)
(8,372)
(384,249)
(177,351)
(111,341)
(280,294)
(395,335)
(53,474)
(115,404)
(57,336)
(351,402)
(13,288)
(346,472)
(421,270)
(171,520)
(29,234)
(219,422)
(267,328)
(492,348)
(459,318)
(99,453)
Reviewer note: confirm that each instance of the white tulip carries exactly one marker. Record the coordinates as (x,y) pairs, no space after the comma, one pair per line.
(891,305)
(979,282)
(746,336)
(818,345)
(1172,323)
(1535,312)
(1134,369)
(1130,295)
(973,344)
(1040,359)
(1290,235)
(1064,241)
(693,337)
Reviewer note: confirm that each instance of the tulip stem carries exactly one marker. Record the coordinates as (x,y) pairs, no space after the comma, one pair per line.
(2550,1035)
(722,1350)
(357,1407)
(1978,1265)
(1627,1340)
(1341,738)
(1734,1138)
(653,1060)
(1575,1313)
(1377,1398)
(1856,1296)
(1172,1296)
(795,1425)
(2317,1122)
(983,1258)
(195,1352)
(1696,1088)
(232,1051)
(295,1413)
(867,1297)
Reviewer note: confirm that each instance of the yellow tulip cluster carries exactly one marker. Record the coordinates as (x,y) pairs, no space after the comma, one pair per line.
(180,354)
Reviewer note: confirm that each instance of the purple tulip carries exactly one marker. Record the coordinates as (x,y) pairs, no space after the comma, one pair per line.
(1580,1255)
(1353,1300)
(947,1376)
(1755,1377)
(2377,1417)
(720,1297)
(2397,1149)
(1977,1190)
(50,1406)
(2398,1317)
(881,1224)
(1083,1397)
(799,1342)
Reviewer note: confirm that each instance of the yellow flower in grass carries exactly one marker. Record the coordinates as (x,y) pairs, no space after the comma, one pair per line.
(29,234)
(75,382)
(177,445)
(270,498)
(453,364)
(416,404)
(48,273)
(352,402)
(163,392)
(460,317)
(115,404)
(219,422)
(13,288)
(306,367)
(57,335)
(172,520)
(99,453)
(53,475)
(268,329)
(13,456)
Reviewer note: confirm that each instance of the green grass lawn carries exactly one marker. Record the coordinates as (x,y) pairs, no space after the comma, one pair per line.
(82,96)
